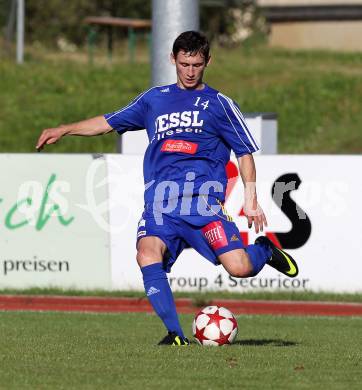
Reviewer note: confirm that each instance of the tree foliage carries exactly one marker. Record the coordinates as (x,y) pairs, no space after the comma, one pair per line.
(47,20)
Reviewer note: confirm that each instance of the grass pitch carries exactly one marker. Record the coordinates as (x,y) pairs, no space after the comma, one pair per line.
(91,351)
(316,95)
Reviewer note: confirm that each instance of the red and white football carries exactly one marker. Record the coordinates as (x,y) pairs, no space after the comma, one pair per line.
(215,326)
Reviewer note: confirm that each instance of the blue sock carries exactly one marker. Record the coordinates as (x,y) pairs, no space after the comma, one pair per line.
(160,296)
(258,255)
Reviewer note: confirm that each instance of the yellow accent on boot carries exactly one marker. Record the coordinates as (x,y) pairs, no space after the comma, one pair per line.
(292,270)
(177,341)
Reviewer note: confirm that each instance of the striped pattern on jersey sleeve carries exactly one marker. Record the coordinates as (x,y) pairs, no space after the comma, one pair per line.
(130,117)
(233,127)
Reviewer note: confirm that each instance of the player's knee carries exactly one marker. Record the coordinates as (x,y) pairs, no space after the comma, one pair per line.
(148,256)
(150,250)
(239,271)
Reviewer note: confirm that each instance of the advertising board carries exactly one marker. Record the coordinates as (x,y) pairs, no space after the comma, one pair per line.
(312,207)
(49,236)
(70,221)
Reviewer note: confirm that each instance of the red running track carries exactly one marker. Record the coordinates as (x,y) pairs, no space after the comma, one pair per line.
(121,305)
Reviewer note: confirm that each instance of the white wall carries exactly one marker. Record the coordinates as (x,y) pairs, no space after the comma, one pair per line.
(100,201)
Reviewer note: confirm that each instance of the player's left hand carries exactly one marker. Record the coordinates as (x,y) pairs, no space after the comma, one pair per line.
(255,215)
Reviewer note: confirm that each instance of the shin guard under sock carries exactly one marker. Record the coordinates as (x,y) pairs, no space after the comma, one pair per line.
(159,294)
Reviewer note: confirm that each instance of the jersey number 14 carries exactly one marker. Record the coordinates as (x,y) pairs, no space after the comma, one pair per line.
(204,104)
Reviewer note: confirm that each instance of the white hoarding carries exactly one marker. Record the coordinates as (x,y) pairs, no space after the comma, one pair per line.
(49,233)
(318,222)
(70,221)
(125,181)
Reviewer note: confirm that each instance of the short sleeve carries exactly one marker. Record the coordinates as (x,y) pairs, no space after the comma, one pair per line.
(231,125)
(131,117)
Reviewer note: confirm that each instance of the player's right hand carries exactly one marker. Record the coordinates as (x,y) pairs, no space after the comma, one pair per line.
(49,136)
(254,214)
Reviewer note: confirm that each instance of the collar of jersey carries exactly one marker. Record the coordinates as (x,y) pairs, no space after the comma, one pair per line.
(176,88)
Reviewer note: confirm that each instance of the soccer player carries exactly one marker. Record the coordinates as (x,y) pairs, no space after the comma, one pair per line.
(191,129)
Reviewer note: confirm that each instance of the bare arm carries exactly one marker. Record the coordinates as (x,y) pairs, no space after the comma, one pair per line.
(89,127)
(252,210)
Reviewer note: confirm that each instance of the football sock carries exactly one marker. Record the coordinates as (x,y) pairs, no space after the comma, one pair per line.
(159,294)
(258,255)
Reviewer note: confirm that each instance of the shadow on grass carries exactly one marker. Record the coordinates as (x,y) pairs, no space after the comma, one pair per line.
(261,342)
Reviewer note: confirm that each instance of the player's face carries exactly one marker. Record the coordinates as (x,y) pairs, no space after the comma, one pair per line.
(190,69)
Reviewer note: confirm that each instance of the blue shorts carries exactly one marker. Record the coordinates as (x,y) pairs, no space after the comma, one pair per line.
(210,233)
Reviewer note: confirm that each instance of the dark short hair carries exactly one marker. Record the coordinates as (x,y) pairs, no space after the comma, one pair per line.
(192,42)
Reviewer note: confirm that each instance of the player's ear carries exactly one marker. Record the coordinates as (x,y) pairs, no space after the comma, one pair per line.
(172,59)
(208,62)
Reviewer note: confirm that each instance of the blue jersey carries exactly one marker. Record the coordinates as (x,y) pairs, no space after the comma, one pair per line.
(191,134)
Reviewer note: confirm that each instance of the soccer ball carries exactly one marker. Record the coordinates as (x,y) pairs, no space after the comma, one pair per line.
(215,326)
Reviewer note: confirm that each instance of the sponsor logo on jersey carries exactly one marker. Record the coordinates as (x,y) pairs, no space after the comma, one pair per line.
(215,235)
(234,237)
(171,133)
(179,146)
(178,119)
(165,90)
